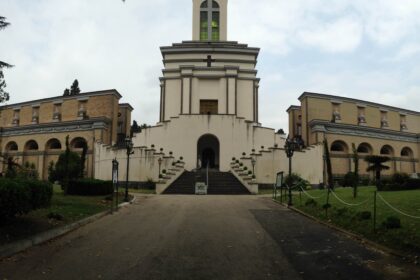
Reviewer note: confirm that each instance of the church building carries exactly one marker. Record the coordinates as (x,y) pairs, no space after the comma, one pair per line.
(209,124)
(209,110)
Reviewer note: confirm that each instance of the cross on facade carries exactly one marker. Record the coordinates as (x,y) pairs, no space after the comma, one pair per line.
(209,60)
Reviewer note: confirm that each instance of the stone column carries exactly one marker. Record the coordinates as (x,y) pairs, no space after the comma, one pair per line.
(231,90)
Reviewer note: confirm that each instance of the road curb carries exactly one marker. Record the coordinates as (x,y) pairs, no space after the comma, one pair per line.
(24,244)
(359,238)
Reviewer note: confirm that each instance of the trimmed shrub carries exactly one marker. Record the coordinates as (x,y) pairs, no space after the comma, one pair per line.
(392,222)
(364,215)
(18,197)
(296,181)
(351,179)
(412,184)
(326,206)
(311,202)
(41,193)
(341,211)
(90,187)
(400,178)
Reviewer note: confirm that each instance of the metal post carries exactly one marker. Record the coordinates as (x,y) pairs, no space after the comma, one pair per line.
(328,201)
(290,203)
(374,211)
(126,179)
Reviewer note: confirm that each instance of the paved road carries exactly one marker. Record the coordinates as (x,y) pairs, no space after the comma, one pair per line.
(206,237)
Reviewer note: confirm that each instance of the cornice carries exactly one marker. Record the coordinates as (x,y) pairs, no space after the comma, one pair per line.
(362,131)
(61,99)
(228,47)
(357,102)
(293,107)
(71,126)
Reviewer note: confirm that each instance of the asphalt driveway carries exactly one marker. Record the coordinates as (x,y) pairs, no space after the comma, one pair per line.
(203,237)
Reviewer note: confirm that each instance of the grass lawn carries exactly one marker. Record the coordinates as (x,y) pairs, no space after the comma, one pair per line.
(406,238)
(142,191)
(71,208)
(265,191)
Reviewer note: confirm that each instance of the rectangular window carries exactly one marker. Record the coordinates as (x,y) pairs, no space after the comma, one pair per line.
(215,26)
(361,116)
(384,119)
(16,117)
(35,115)
(403,122)
(204,31)
(57,113)
(209,107)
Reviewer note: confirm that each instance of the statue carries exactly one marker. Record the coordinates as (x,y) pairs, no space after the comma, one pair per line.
(336,116)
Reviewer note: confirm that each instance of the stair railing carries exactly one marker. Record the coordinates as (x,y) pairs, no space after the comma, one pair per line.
(207,173)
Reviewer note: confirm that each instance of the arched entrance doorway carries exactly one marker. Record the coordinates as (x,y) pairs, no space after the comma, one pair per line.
(208,151)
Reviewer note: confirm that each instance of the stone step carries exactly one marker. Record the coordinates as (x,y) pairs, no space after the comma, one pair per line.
(219,183)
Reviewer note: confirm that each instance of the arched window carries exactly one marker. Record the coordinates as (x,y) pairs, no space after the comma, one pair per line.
(209,21)
(364,148)
(387,150)
(53,144)
(78,143)
(339,146)
(31,145)
(407,152)
(11,147)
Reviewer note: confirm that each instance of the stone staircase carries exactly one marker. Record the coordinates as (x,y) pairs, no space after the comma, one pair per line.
(220,183)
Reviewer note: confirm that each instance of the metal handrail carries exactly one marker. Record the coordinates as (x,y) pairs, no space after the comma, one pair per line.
(207,172)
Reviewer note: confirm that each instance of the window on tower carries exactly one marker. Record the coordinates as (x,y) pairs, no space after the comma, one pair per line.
(209,21)
(215,26)
(204,30)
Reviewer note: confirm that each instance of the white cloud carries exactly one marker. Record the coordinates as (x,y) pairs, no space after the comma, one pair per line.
(109,44)
(341,35)
(407,51)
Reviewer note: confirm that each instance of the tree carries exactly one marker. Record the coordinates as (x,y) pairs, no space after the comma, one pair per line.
(4,96)
(66,92)
(356,170)
(328,163)
(83,160)
(74,89)
(67,167)
(51,172)
(377,166)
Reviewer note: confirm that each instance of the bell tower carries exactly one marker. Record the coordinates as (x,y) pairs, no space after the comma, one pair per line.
(210,20)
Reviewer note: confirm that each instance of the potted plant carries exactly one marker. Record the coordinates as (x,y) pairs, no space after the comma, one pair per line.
(164,171)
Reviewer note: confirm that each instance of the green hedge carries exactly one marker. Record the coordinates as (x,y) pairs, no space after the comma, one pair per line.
(90,187)
(400,185)
(18,197)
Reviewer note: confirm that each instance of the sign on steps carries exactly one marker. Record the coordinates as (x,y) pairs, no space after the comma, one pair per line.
(200,188)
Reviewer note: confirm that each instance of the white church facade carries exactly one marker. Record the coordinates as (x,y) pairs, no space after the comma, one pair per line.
(209,115)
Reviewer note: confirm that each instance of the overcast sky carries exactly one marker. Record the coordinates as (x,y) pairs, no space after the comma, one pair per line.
(357,48)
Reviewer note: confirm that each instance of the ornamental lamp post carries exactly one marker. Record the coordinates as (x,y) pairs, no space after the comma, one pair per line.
(253,162)
(129,147)
(289,148)
(160,164)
